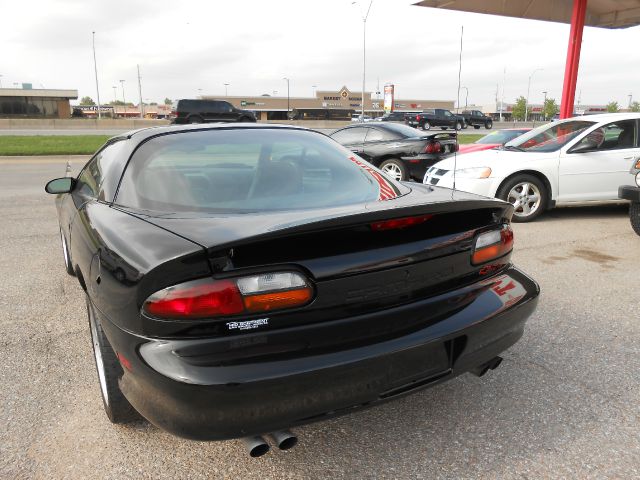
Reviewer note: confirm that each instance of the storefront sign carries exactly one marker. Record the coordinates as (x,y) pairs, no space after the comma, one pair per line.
(388,98)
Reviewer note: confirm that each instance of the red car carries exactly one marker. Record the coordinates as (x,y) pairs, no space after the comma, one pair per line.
(493,140)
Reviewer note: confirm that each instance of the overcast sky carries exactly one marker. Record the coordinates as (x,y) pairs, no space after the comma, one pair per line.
(192,47)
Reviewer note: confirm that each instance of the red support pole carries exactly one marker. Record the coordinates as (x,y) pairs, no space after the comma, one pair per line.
(573,58)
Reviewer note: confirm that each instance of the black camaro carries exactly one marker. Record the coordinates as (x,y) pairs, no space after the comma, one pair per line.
(243,279)
(398,150)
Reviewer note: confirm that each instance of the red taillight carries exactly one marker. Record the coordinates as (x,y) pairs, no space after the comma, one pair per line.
(198,299)
(418,117)
(437,147)
(207,298)
(432,147)
(399,223)
(428,148)
(493,244)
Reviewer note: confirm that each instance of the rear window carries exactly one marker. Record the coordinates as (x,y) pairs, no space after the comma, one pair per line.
(248,170)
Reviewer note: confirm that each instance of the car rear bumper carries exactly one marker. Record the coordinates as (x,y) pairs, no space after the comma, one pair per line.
(629,192)
(417,165)
(180,386)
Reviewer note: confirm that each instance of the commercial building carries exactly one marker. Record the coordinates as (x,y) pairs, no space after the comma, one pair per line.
(325,105)
(29,102)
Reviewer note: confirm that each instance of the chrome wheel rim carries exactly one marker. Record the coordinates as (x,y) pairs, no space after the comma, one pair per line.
(525,198)
(64,249)
(97,353)
(393,171)
(426,126)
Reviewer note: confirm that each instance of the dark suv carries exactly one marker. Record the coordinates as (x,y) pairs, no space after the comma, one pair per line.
(203,111)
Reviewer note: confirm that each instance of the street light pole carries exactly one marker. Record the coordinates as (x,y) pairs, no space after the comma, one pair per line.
(285,78)
(526,105)
(544,106)
(124,115)
(364,51)
(630,97)
(226,92)
(0,81)
(95,68)
(466,98)
(140,93)
(314,89)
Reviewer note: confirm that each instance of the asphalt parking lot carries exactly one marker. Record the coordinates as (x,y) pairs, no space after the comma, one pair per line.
(564,403)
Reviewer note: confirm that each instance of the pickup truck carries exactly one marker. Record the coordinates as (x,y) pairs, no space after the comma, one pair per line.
(435,117)
(477,119)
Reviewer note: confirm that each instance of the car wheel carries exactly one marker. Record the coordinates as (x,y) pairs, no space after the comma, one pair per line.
(458,126)
(65,254)
(528,196)
(634,216)
(395,169)
(488,125)
(116,406)
(465,126)
(195,120)
(477,127)
(426,126)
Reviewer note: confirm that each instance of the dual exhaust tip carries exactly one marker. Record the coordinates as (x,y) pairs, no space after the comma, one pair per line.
(485,367)
(256,445)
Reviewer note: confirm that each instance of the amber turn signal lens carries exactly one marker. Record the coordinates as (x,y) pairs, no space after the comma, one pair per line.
(274,301)
(493,244)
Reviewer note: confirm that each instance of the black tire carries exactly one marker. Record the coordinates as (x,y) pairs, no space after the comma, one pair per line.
(465,126)
(116,406)
(634,216)
(195,119)
(520,215)
(477,127)
(395,169)
(426,126)
(458,126)
(66,256)
(488,125)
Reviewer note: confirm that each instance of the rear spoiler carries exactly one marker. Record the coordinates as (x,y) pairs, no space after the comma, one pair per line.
(441,136)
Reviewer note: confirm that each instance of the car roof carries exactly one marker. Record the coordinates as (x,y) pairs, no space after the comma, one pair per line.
(144,133)
(606,117)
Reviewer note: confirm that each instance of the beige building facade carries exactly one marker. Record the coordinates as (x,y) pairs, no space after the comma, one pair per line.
(325,105)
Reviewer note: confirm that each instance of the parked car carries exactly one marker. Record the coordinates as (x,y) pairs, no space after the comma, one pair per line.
(581,159)
(477,119)
(494,139)
(398,150)
(435,117)
(632,193)
(392,117)
(205,111)
(356,117)
(274,279)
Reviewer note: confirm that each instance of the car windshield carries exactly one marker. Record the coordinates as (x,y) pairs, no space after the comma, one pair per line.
(549,137)
(403,130)
(230,170)
(500,136)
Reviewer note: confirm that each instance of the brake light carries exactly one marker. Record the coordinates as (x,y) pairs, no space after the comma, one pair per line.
(399,223)
(437,147)
(428,148)
(207,298)
(493,244)
(418,117)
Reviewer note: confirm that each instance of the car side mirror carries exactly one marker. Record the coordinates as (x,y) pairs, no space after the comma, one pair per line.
(584,146)
(60,185)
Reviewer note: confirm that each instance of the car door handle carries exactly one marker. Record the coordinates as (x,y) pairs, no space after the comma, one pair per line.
(632,158)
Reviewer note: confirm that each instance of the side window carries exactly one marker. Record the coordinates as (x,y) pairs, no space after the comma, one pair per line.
(350,136)
(613,136)
(375,135)
(225,107)
(447,113)
(92,176)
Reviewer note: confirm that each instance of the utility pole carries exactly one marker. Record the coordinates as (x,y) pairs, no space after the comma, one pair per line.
(288,109)
(140,93)
(504,78)
(364,51)
(124,115)
(544,106)
(526,105)
(0,81)
(226,91)
(95,69)
(630,98)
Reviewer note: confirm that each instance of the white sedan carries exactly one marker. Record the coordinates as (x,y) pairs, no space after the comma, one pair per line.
(580,159)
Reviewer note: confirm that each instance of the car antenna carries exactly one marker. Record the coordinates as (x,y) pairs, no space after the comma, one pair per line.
(455,151)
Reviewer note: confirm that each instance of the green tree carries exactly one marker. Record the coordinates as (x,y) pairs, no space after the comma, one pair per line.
(550,108)
(635,107)
(613,107)
(87,101)
(168,101)
(519,108)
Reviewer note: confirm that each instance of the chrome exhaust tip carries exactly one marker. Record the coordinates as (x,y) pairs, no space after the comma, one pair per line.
(284,439)
(256,446)
(492,364)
